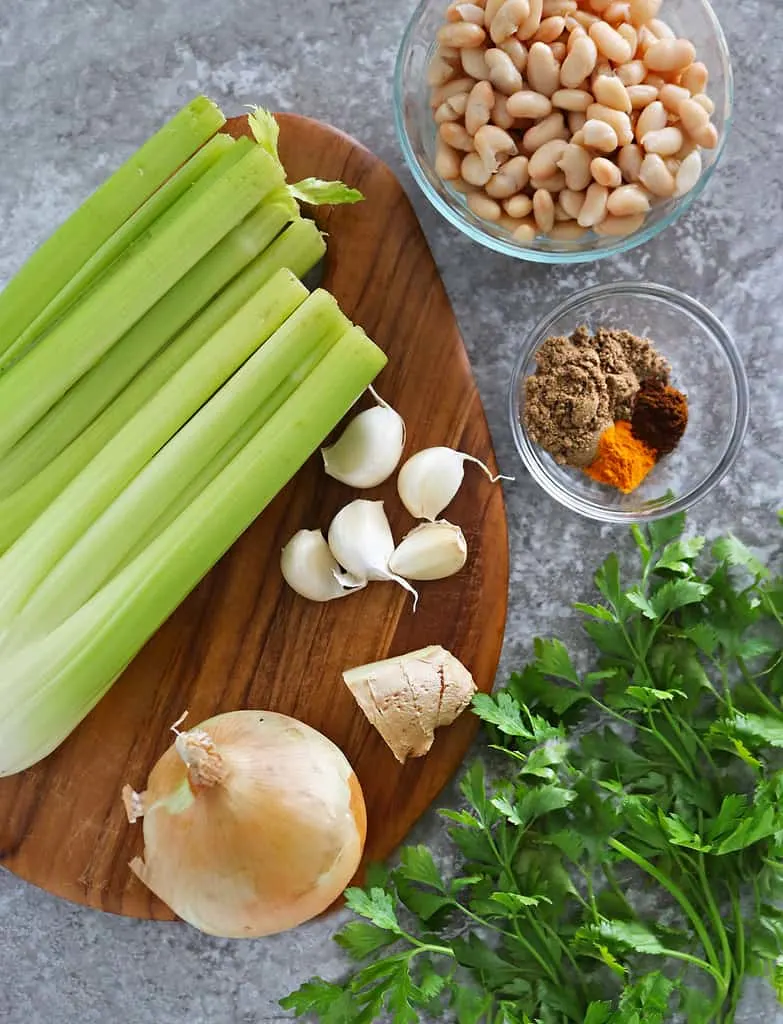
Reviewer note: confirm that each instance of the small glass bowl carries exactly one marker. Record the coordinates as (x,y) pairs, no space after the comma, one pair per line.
(693,19)
(706,365)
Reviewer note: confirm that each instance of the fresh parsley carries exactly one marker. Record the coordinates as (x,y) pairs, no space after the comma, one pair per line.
(677,784)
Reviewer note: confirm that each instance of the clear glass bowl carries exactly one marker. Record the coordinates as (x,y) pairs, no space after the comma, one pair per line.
(694,19)
(706,365)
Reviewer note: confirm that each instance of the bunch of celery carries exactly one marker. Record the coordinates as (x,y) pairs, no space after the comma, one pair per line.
(163,374)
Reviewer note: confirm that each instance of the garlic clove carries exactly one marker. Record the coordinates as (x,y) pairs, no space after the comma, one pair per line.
(361,540)
(369,449)
(310,568)
(430,479)
(431,551)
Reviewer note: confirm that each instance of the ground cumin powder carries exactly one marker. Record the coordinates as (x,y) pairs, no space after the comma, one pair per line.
(582,385)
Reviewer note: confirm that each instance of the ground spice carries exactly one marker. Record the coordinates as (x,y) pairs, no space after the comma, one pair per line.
(660,416)
(622,461)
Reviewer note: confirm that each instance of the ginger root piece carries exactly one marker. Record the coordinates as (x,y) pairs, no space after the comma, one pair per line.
(408,697)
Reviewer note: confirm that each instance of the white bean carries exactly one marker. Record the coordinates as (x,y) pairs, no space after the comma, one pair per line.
(594,207)
(529,104)
(462,35)
(575,164)
(478,108)
(492,143)
(579,63)
(474,64)
(559,51)
(552,8)
(491,8)
(560,215)
(510,179)
(517,51)
(459,185)
(602,68)
(554,183)
(599,6)
(629,160)
(525,233)
(454,135)
(688,173)
(544,210)
(549,30)
(704,101)
(656,176)
(646,40)
(600,135)
(665,142)
(707,138)
(642,96)
(605,172)
(616,12)
(610,43)
(578,138)
(543,71)
(585,18)
(543,163)
(439,71)
(552,127)
(628,200)
(447,161)
(695,78)
(629,34)
(655,80)
(576,121)
(508,19)
(661,29)
(641,11)
(468,12)
(518,206)
(500,115)
(529,26)
(693,117)
(652,119)
(484,207)
(445,92)
(618,226)
(473,170)
(610,91)
(619,121)
(632,73)
(571,202)
(566,231)
(670,55)
(502,73)
(451,109)
(572,99)
(448,53)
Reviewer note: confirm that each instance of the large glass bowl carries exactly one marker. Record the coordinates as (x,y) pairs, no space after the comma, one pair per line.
(693,19)
(705,365)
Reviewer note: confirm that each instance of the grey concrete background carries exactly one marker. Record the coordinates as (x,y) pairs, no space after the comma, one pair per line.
(82,83)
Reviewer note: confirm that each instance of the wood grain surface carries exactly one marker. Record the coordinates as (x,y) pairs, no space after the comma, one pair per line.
(242,639)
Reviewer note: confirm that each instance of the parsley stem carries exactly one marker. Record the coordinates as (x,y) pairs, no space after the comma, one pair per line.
(515,936)
(758,692)
(677,894)
(670,747)
(728,957)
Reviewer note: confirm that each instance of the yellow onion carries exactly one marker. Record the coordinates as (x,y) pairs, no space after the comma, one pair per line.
(253,823)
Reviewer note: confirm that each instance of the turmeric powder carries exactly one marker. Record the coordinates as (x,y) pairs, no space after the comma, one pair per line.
(622,460)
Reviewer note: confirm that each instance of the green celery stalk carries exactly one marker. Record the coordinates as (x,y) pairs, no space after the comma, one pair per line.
(49,686)
(27,562)
(119,300)
(19,510)
(60,257)
(202,162)
(99,386)
(251,397)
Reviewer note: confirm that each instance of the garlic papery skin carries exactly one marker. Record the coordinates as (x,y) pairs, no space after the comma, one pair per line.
(369,449)
(361,540)
(431,551)
(253,823)
(408,697)
(430,479)
(309,567)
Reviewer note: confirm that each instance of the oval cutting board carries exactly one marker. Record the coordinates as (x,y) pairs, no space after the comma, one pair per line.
(242,639)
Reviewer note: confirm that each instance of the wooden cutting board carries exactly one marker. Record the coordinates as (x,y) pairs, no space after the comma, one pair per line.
(243,639)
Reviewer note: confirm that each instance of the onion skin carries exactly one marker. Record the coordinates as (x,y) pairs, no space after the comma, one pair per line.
(266,838)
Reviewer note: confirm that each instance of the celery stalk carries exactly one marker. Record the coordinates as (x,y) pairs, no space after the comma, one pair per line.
(49,686)
(59,258)
(99,386)
(160,259)
(23,506)
(251,397)
(27,562)
(205,160)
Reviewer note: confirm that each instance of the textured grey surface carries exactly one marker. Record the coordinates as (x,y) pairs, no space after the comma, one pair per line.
(82,83)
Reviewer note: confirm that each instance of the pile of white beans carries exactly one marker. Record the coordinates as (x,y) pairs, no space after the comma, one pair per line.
(558,117)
